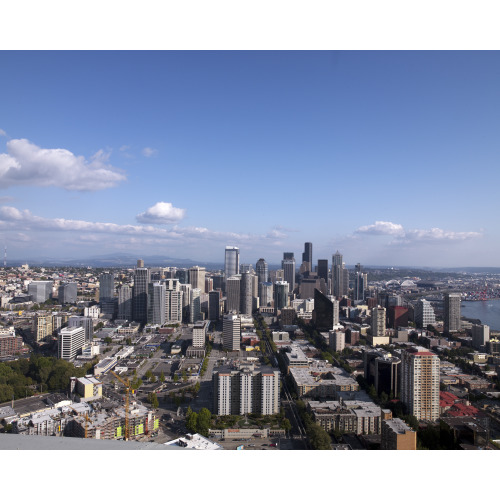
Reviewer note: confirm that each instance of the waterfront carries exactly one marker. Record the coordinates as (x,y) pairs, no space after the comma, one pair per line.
(488,311)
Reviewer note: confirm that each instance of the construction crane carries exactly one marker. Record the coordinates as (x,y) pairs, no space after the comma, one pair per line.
(126,383)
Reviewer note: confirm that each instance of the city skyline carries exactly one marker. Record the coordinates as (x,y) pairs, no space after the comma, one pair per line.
(145,153)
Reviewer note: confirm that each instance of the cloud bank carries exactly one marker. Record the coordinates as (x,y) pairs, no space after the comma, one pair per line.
(26,163)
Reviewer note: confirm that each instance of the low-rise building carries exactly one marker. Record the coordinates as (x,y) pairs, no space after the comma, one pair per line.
(321,382)
(396,435)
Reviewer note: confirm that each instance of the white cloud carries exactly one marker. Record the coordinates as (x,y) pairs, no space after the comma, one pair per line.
(148,152)
(27,164)
(161,213)
(402,236)
(436,234)
(382,227)
(2,132)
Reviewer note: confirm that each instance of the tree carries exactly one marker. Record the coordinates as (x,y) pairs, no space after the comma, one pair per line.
(162,377)
(153,399)
(176,378)
(108,340)
(196,388)
(128,341)
(192,422)
(204,419)
(286,425)
(149,374)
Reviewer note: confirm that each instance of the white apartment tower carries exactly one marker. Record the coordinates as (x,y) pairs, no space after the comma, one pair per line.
(70,342)
(420,383)
(378,321)
(424,314)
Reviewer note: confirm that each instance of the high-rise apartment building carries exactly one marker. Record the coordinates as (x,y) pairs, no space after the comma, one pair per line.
(40,291)
(42,327)
(199,333)
(424,314)
(452,315)
(140,294)
(231,332)
(173,301)
(246,390)
(480,335)
(231,262)
(70,342)
(336,340)
(86,323)
(378,322)
(420,383)
(67,293)
(262,271)
(125,302)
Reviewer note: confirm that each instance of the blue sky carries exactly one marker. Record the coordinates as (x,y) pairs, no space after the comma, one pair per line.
(390,157)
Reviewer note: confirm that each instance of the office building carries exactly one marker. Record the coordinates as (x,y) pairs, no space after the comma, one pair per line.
(140,263)
(40,291)
(70,342)
(323,269)
(397,316)
(360,283)
(246,390)
(106,286)
(307,255)
(231,262)
(125,303)
(281,291)
(197,277)
(214,305)
(288,266)
(183,276)
(452,312)
(199,333)
(233,293)
(156,303)
(378,322)
(262,271)
(480,335)
(209,284)
(195,306)
(340,284)
(42,327)
(140,294)
(246,295)
(265,294)
(424,314)
(326,312)
(67,293)
(86,323)
(420,383)
(231,332)
(387,374)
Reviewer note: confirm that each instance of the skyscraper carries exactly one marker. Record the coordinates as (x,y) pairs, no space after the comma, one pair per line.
(378,322)
(265,293)
(231,261)
(288,266)
(262,270)
(106,286)
(323,269)
(280,295)
(195,306)
(125,302)
(360,280)
(70,342)
(233,293)
(337,275)
(307,255)
(197,277)
(214,305)
(326,312)
(156,303)
(140,295)
(231,332)
(246,296)
(452,321)
(420,383)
